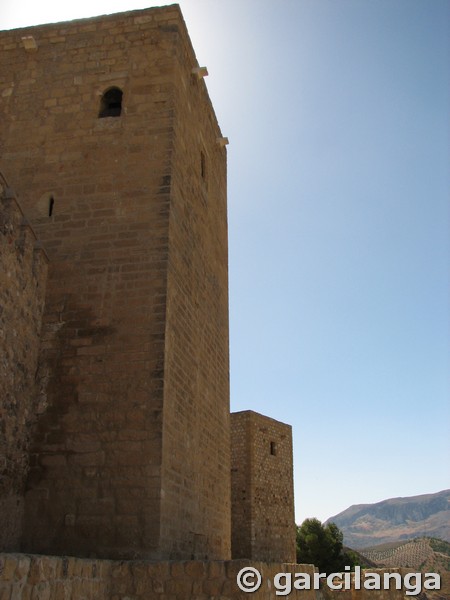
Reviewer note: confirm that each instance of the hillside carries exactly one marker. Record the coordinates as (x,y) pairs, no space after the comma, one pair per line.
(426,555)
(396,519)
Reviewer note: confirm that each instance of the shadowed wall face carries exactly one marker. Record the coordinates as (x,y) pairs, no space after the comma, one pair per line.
(103,130)
(23,273)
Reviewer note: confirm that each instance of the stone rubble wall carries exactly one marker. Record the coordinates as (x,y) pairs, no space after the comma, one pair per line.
(24,577)
(38,577)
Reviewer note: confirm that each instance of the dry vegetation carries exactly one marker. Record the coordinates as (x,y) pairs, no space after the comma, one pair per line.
(427,555)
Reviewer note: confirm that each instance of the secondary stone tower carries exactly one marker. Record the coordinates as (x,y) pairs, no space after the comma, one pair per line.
(262,492)
(109,139)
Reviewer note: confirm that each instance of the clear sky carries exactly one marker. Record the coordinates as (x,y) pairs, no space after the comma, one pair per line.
(337,113)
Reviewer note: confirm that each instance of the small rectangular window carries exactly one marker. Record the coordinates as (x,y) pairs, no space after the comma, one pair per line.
(273,448)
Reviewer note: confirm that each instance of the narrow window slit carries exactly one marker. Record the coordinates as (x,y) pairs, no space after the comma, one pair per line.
(203,165)
(273,448)
(51,204)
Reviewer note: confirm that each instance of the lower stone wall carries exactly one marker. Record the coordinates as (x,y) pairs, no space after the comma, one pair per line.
(34,577)
(359,592)
(24,577)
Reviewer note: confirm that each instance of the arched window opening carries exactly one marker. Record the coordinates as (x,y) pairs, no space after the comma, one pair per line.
(111,103)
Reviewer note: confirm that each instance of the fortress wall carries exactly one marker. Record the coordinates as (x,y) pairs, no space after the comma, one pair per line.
(263,521)
(57,578)
(23,273)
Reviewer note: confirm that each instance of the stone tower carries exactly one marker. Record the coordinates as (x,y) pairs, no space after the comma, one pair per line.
(109,139)
(262,492)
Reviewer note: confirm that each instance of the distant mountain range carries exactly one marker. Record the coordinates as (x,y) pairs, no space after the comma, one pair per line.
(395,520)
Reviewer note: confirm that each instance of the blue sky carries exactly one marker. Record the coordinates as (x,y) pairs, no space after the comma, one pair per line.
(338,190)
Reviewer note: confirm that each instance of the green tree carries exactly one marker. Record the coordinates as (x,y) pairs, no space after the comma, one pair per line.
(322,546)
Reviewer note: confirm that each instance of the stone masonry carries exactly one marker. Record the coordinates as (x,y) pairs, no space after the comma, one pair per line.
(112,144)
(262,492)
(58,578)
(23,273)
